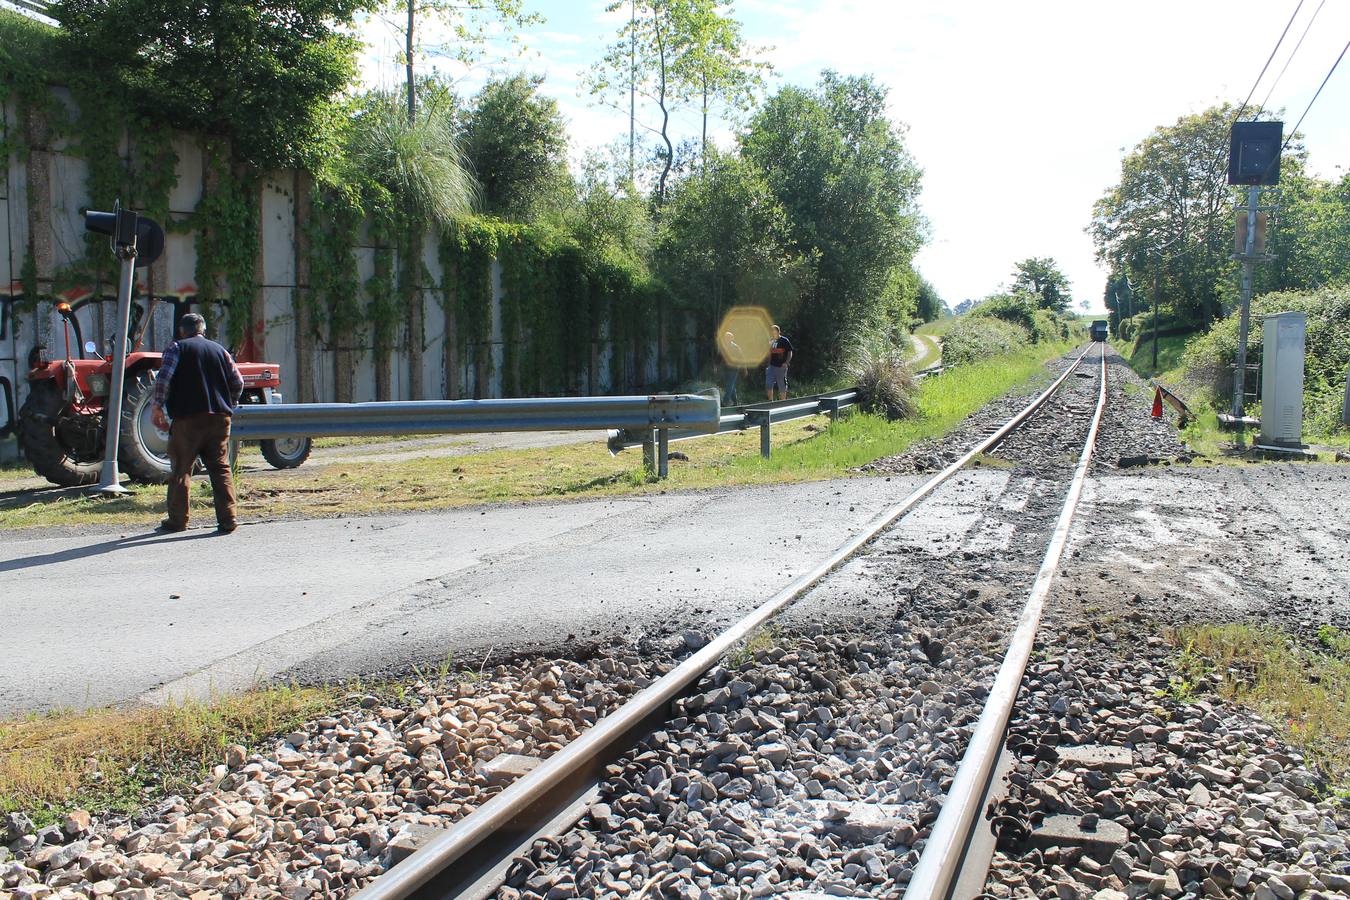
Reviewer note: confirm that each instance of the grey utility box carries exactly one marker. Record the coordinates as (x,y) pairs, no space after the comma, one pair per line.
(1282,380)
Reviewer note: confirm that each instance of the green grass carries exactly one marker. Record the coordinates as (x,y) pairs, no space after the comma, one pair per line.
(803,450)
(1305,691)
(114,760)
(937,327)
(1140,357)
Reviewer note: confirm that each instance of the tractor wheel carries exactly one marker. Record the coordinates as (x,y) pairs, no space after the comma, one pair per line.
(286,453)
(142,449)
(42,445)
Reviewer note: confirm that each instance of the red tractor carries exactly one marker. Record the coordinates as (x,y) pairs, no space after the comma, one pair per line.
(62,424)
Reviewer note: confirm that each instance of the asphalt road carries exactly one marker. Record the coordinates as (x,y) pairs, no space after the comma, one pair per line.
(123,616)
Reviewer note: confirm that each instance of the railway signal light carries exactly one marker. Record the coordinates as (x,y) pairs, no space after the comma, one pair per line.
(1254,152)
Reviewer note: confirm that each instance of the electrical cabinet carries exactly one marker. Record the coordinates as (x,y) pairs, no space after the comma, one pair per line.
(1282,379)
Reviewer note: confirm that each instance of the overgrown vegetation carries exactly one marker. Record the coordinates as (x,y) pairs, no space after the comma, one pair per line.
(115,760)
(1208,359)
(886,385)
(1305,691)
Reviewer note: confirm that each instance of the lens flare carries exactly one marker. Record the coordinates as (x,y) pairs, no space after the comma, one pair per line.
(744,335)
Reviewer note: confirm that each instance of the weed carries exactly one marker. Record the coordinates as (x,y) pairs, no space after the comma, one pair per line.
(761,641)
(1305,690)
(114,759)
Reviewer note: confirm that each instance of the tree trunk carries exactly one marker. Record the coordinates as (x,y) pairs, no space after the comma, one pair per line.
(665,113)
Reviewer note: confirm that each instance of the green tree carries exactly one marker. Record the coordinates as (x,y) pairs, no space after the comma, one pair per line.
(723,238)
(1310,237)
(265,76)
(469,24)
(713,64)
(842,172)
(517,145)
(1173,207)
(1041,276)
(930,305)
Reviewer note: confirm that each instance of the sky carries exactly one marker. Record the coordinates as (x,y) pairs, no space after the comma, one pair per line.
(1018,112)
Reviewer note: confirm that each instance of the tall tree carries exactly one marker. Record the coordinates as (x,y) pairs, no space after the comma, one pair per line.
(265,75)
(458,29)
(641,61)
(713,64)
(516,142)
(670,52)
(842,172)
(1041,276)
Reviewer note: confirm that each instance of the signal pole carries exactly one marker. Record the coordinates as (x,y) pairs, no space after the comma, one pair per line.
(1244,323)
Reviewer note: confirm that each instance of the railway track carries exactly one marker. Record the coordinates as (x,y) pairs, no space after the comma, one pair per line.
(510,844)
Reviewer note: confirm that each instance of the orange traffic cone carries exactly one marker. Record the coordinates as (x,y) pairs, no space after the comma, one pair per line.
(1157,403)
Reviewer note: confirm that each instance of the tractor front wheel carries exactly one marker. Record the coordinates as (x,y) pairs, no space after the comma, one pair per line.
(142,449)
(45,439)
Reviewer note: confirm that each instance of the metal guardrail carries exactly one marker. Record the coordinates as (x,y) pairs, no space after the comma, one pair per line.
(736,418)
(656,413)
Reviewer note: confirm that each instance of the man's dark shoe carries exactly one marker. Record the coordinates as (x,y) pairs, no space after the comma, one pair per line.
(227,529)
(168,527)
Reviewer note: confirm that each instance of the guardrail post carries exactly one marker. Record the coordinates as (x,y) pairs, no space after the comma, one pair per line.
(831,405)
(662,452)
(649,451)
(765,426)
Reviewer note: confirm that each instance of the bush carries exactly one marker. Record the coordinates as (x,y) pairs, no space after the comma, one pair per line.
(974,337)
(886,386)
(1023,310)
(1209,359)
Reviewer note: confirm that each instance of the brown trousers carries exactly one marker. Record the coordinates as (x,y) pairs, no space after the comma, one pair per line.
(207,436)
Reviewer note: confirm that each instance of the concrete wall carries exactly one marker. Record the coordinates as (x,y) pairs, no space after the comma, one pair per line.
(44,195)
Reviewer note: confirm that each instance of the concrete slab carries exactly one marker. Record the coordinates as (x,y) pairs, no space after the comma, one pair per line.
(1101,841)
(107,616)
(1096,756)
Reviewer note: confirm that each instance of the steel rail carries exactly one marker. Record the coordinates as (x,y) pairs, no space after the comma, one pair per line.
(595,747)
(689,412)
(939,867)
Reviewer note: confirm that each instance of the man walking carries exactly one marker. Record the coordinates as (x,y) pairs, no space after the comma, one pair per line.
(780,355)
(198,385)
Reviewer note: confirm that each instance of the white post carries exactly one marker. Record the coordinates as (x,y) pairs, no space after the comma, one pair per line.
(109,481)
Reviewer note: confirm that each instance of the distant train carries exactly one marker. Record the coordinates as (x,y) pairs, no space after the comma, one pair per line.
(1099,330)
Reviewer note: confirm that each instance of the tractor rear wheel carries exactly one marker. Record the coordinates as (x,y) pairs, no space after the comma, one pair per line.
(142,449)
(286,453)
(40,437)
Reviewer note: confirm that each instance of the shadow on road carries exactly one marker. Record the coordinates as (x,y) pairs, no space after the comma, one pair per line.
(121,543)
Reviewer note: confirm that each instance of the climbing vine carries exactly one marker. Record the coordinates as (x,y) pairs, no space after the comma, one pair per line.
(227,238)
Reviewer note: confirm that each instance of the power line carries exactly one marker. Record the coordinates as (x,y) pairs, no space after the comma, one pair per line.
(1314,97)
(1269,60)
(1294,53)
